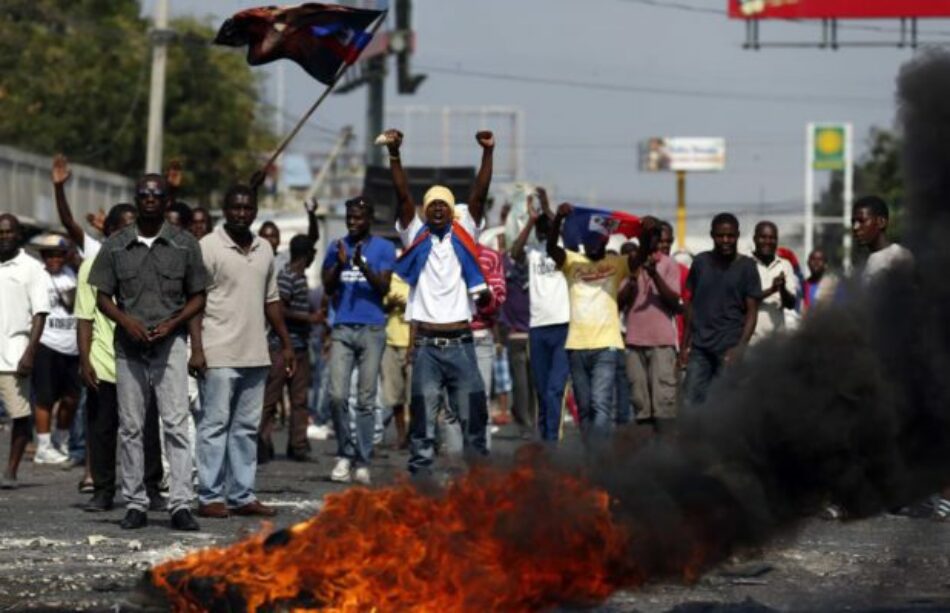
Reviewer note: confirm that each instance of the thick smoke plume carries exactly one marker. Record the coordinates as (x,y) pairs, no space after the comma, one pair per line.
(854,409)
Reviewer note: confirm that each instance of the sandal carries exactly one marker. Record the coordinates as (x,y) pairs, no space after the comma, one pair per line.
(86,486)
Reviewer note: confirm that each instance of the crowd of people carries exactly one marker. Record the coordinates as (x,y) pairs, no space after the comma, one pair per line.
(181,339)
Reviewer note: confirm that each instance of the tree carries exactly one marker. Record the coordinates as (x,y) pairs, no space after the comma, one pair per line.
(74,77)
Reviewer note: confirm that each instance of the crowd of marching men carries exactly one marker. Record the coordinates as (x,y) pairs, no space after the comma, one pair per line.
(180,339)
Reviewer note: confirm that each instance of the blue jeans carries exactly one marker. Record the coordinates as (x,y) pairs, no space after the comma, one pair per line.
(453,369)
(549,368)
(593,372)
(359,347)
(319,410)
(702,368)
(622,391)
(230,413)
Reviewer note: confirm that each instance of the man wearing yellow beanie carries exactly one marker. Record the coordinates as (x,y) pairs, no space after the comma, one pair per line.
(447,285)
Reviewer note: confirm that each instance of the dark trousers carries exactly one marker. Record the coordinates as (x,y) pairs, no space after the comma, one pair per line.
(703,367)
(524,407)
(298,387)
(102,431)
(551,368)
(622,399)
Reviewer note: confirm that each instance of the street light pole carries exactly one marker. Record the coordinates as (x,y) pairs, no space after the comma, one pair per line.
(156,103)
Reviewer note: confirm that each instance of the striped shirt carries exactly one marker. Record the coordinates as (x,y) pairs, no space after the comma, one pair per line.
(295,295)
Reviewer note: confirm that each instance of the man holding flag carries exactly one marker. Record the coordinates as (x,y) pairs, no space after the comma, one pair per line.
(593,337)
(447,285)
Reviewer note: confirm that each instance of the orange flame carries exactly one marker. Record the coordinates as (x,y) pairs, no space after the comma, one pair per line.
(494,540)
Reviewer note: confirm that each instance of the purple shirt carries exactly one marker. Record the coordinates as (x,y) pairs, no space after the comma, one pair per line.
(650,322)
(516,312)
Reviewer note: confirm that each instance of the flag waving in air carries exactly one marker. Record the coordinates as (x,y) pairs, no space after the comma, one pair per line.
(319,37)
(584,225)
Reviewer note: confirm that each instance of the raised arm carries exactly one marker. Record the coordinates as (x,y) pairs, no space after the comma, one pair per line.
(61,175)
(545,203)
(555,251)
(173,179)
(517,249)
(313,225)
(479,193)
(407,208)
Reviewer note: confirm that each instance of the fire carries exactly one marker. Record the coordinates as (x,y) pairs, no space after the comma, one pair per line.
(495,540)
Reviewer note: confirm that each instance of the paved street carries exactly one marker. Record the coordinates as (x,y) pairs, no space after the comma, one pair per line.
(53,556)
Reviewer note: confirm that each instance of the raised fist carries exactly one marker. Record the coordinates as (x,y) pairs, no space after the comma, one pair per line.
(486,139)
(60,170)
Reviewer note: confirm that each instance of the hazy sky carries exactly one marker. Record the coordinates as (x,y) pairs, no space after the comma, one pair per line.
(654,70)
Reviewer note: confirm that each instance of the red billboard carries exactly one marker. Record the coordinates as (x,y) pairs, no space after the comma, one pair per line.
(835,9)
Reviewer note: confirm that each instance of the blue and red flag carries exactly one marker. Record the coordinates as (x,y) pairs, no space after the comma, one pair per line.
(584,225)
(319,37)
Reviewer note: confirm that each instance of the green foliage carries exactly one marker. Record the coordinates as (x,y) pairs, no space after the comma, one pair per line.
(74,78)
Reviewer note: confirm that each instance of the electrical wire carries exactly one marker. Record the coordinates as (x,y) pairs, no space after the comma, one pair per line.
(658,91)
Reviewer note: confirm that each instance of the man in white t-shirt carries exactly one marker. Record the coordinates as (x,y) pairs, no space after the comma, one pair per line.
(550,314)
(440,264)
(779,282)
(869,219)
(24,303)
(56,369)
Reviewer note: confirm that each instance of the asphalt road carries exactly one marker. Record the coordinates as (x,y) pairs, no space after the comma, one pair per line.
(54,556)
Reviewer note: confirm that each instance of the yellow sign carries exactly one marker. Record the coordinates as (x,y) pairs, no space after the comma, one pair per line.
(830,146)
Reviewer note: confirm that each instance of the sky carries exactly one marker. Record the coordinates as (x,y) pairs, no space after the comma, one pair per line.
(594,78)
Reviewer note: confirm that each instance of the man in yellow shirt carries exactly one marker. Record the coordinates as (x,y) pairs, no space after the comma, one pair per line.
(395,369)
(593,336)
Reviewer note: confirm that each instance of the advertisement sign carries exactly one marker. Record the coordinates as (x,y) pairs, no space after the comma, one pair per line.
(832,9)
(683,154)
(829,147)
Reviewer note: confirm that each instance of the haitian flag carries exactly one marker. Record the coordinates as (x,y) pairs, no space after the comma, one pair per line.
(584,224)
(319,37)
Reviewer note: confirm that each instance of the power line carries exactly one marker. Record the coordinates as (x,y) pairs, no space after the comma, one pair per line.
(658,91)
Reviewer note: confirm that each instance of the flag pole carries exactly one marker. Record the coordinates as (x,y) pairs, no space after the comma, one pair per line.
(258,178)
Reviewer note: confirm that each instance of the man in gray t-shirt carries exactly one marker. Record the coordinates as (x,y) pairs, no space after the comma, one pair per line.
(722,312)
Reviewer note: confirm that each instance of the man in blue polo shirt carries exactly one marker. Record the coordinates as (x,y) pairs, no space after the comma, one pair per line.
(356,274)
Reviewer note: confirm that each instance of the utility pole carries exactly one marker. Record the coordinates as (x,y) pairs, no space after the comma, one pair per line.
(375,108)
(681,208)
(156,105)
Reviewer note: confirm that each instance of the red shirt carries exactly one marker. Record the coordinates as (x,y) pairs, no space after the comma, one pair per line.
(494,270)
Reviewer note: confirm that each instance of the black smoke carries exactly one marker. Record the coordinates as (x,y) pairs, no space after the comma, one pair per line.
(854,409)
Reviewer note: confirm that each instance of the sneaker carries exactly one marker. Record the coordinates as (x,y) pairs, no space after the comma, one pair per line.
(361,475)
(341,472)
(318,433)
(50,455)
(941,509)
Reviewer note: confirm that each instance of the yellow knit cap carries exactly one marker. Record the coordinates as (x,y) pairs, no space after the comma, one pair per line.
(439,192)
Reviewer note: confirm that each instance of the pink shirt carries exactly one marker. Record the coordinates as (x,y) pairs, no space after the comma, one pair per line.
(650,323)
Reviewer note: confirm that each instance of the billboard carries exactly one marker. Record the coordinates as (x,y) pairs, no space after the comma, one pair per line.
(683,154)
(834,9)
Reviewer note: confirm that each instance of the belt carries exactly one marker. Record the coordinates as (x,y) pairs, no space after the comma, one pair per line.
(438,341)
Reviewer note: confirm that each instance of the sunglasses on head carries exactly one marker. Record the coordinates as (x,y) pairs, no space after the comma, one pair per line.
(146,193)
